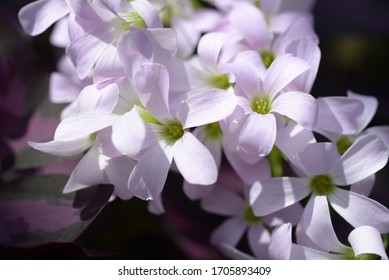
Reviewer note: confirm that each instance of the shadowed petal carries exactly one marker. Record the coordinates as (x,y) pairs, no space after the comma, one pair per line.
(149,175)
(88,172)
(317,224)
(360,210)
(274,194)
(229,232)
(221,201)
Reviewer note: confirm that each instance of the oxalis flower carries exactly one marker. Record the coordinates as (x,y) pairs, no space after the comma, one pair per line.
(262,101)
(170,137)
(322,170)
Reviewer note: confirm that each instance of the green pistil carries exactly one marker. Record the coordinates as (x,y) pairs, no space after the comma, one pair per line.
(220,81)
(172,131)
(249,216)
(268,58)
(213,131)
(93,137)
(343,143)
(257,3)
(146,116)
(261,106)
(132,19)
(322,184)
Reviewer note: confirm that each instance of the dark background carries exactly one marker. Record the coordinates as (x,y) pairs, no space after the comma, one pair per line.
(354,40)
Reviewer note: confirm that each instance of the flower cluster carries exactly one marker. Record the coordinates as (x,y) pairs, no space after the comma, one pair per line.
(163,85)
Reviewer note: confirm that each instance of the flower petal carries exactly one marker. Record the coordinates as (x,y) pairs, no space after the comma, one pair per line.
(63,148)
(360,210)
(88,172)
(155,206)
(130,134)
(92,99)
(36,17)
(258,135)
(299,106)
(274,194)
(82,125)
(210,46)
(152,84)
(292,139)
(248,173)
(194,161)
(148,13)
(224,202)
(247,80)
(382,131)
(84,53)
(118,171)
(364,187)
(282,71)
(149,175)
(281,242)
(233,253)
(206,107)
(338,114)
(370,104)
(316,221)
(229,232)
(365,157)
(309,51)
(243,17)
(306,253)
(259,240)
(316,159)
(367,240)
(145,46)
(195,192)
